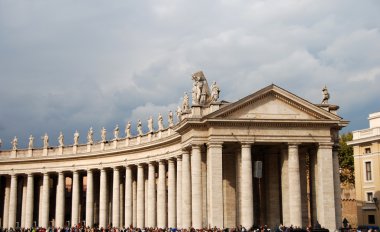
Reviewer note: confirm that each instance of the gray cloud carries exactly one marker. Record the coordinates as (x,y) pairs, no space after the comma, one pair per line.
(71,65)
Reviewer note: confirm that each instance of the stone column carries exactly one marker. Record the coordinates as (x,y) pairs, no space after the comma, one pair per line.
(6,202)
(179,192)
(326,201)
(295,210)
(45,201)
(13,202)
(196,186)
(285,186)
(246,198)
(60,201)
(103,199)
(140,196)
(75,199)
(90,199)
(128,197)
(151,195)
(214,166)
(29,201)
(161,195)
(116,198)
(122,202)
(134,203)
(186,190)
(337,190)
(23,206)
(171,195)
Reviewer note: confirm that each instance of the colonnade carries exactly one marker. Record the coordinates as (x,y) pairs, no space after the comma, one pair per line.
(166,192)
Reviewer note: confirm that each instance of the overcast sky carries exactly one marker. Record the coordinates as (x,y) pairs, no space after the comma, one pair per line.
(67,65)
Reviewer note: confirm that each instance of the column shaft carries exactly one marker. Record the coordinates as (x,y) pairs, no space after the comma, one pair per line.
(285,187)
(151,195)
(60,201)
(337,191)
(161,195)
(179,192)
(128,197)
(186,191)
(196,187)
(140,196)
(116,198)
(90,199)
(45,201)
(295,210)
(103,199)
(13,202)
(75,199)
(171,195)
(23,206)
(29,201)
(246,192)
(6,202)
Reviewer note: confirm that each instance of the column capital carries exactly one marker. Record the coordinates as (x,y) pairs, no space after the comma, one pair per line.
(328,145)
(214,144)
(293,144)
(116,168)
(246,144)
(179,158)
(171,160)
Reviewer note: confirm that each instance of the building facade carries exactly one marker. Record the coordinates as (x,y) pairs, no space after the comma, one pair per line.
(268,158)
(366,146)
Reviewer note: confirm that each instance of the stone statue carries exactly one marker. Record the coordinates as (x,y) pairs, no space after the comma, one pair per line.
(103,134)
(76,137)
(31,142)
(160,122)
(179,112)
(194,91)
(326,96)
(1,143)
(128,129)
(90,134)
(139,128)
(14,143)
(116,132)
(150,124)
(214,92)
(60,139)
(201,92)
(45,139)
(185,103)
(170,119)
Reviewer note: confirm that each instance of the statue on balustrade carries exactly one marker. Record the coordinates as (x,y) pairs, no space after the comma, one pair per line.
(139,128)
(150,124)
(185,103)
(326,96)
(1,143)
(76,137)
(128,129)
(170,119)
(214,92)
(160,122)
(103,134)
(45,140)
(31,142)
(116,132)
(200,91)
(14,143)
(60,139)
(90,134)
(179,112)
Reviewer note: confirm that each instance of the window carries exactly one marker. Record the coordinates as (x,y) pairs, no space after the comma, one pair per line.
(371,219)
(367,150)
(368,171)
(369,196)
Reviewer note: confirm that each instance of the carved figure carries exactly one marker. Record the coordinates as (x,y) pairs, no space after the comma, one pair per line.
(76,137)
(150,124)
(60,139)
(202,92)
(1,142)
(326,96)
(90,134)
(31,141)
(103,134)
(128,129)
(160,122)
(139,128)
(194,91)
(116,132)
(170,119)
(45,139)
(14,143)
(214,92)
(185,102)
(178,112)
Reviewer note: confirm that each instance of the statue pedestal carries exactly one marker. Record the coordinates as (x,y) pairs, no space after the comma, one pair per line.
(88,147)
(160,134)
(30,153)
(170,131)
(196,111)
(114,144)
(44,151)
(138,139)
(214,107)
(13,154)
(60,150)
(127,142)
(102,146)
(150,136)
(75,149)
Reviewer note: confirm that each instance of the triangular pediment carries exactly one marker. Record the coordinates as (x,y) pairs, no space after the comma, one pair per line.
(270,103)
